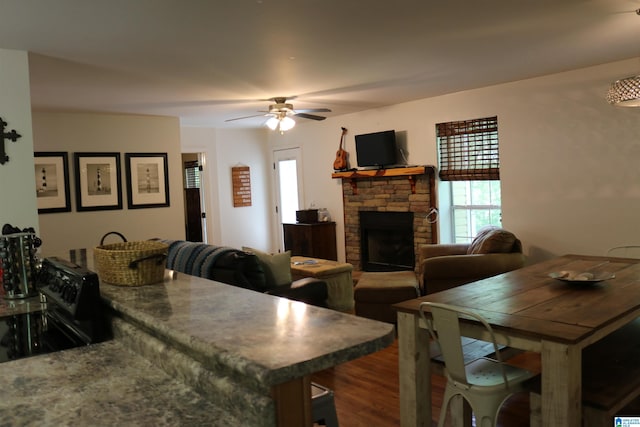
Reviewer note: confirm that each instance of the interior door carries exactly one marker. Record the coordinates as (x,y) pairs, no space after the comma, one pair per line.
(194,214)
(195,225)
(287,166)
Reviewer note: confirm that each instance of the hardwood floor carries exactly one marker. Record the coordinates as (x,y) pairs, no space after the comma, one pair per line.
(366,391)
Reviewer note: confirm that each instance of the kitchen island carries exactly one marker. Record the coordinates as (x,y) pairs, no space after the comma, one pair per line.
(104,384)
(244,355)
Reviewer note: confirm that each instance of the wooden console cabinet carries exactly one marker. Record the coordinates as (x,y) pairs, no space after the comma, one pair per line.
(317,240)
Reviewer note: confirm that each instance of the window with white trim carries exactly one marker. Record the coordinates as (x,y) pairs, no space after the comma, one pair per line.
(469,168)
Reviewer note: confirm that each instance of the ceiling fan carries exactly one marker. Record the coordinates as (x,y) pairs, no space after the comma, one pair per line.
(280,114)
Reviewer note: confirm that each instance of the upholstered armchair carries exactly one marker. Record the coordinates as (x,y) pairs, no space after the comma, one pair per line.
(443,266)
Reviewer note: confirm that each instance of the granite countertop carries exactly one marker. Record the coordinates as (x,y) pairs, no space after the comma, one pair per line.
(104,384)
(267,338)
(186,351)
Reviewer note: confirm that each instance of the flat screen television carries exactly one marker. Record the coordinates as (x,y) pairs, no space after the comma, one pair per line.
(376,149)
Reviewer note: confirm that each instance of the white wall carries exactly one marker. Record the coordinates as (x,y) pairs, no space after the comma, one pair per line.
(228,225)
(570,181)
(87,132)
(18,205)
(569,161)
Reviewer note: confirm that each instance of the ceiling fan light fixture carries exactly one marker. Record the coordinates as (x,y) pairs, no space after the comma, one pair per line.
(281,122)
(625,92)
(279,115)
(272,123)
(286,123)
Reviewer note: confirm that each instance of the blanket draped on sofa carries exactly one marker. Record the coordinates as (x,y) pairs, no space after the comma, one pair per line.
(220,263)
(239,268)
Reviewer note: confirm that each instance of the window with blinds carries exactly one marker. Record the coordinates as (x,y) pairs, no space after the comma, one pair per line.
(470,165)
(191,175)
(469,150)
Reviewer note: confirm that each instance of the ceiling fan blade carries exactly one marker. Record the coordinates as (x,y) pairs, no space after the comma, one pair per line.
(245,117)
(309,116)
(313,110)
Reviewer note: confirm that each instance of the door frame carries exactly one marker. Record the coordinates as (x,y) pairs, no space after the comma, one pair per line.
(280,154)
(204,214)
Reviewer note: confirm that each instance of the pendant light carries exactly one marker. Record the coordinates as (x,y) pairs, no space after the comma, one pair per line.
(625,92)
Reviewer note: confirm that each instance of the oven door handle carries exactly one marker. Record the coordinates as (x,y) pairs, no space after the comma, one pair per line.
(160,259)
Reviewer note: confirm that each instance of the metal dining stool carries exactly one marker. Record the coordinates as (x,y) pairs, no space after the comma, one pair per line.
(323,408)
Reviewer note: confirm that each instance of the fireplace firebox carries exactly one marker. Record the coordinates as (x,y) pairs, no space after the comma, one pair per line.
(386,241)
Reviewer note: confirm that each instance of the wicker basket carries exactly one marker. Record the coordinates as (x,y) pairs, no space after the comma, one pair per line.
(130,263)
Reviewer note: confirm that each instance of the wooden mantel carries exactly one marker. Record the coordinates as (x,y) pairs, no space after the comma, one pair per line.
(410,172)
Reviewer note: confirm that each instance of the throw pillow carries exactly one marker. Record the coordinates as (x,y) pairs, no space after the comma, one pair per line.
(477,241)
(277,267)
(492,240)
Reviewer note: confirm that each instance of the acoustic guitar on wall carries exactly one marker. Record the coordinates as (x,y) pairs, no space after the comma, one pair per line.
(341,163)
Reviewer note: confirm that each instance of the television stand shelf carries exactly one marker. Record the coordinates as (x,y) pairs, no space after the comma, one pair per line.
(410,172)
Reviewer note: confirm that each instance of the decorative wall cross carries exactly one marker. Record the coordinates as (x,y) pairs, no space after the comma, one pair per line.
(13,136)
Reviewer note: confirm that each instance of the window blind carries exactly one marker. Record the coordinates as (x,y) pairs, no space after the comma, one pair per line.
(192,175)
(469,150)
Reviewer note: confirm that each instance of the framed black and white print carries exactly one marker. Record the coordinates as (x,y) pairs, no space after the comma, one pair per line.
(98,182)
(52,181)
(147,180)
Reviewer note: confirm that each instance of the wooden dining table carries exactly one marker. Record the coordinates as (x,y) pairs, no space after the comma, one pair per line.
(529,310)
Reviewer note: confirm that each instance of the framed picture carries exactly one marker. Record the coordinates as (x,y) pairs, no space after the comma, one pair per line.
(52,181)
(98,182)
(147,180)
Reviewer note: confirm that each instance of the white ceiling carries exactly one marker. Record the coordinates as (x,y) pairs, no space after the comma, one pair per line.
(207,61)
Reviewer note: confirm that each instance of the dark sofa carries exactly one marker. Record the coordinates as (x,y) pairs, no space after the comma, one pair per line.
(240,268)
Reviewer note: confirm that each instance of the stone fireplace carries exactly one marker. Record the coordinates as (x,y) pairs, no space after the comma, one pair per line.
(386,241)
(403,190)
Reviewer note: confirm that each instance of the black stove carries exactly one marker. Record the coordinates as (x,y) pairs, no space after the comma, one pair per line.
(72,316)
